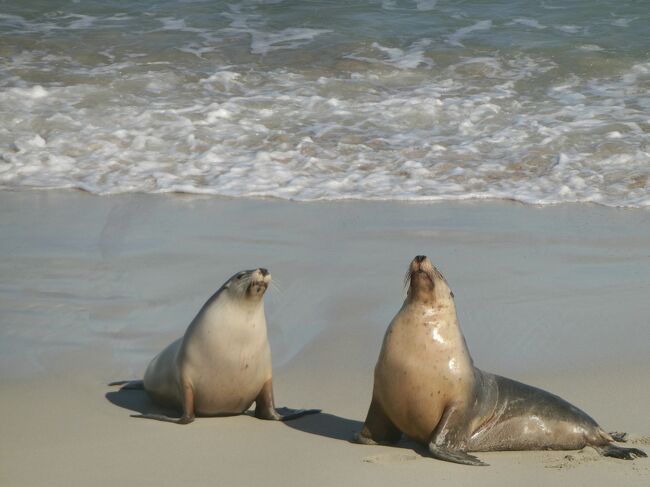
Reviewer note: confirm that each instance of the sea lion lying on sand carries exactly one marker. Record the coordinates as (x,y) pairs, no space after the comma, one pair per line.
(427,387)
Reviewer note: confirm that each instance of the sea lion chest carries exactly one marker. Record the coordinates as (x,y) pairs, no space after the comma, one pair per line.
(423,366)
(227,358)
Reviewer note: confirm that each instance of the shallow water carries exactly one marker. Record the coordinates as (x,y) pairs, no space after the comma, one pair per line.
(541,102)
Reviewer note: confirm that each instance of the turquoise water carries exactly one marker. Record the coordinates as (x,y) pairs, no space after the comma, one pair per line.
(540,102)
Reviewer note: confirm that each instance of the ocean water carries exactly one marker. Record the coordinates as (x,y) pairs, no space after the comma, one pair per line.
(541,102)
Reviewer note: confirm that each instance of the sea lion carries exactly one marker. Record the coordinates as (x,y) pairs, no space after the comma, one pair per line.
(223,362)
(426,386)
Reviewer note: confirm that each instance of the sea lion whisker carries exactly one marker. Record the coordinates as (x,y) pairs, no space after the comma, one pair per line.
(274,288)
(276,285)
(407,277)
(273,291)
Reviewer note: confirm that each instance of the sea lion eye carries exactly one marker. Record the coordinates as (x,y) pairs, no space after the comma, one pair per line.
(240,275)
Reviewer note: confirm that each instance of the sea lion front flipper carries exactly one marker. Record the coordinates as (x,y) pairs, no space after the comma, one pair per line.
(265,406)
(455,456)
(448,441)
(620,452)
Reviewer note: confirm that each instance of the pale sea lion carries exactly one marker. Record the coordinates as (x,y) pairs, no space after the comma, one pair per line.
(426,386)
(223,362)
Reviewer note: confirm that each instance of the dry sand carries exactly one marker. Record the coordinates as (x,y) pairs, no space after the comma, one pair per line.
(92,287)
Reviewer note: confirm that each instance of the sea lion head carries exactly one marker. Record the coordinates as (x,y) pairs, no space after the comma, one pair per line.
(426,284)
(251,284)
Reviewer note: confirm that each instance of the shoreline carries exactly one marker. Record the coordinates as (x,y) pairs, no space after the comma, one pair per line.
(422,201)
(91,287)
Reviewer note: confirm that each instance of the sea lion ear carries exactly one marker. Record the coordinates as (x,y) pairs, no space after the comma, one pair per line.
(451,293)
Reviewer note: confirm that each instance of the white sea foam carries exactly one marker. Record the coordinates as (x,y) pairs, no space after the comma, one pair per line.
(455,38)
(290,38)
(169,23)
(569,29)
(624,21)
(529,22)
(590,47)
(174,24)
(256,107)
(80,21)
(548,6)
(410,58)
(15,20)
(425,5)
(441,140)
(34,92)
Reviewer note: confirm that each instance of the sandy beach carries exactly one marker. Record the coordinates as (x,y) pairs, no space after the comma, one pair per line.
(91,288)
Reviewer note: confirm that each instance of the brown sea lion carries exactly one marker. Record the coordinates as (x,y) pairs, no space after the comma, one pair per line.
(426,386)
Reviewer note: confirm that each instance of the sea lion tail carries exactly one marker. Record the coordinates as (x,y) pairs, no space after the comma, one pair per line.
(621,437)
(612,436)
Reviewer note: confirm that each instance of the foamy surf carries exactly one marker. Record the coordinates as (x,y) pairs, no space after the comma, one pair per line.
(434,102)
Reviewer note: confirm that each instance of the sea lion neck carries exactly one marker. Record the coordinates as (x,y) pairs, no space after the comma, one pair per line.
(432,296)
(427,305)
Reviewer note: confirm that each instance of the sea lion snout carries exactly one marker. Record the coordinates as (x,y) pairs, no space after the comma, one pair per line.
(259,282)
(420,278)
(421,263)
(262,274)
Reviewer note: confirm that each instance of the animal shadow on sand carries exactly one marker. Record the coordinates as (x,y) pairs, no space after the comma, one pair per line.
(344,429)
(138,402)
(324,424)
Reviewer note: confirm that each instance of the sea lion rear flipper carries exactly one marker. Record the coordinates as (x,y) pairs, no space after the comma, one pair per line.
(162,417)
(265,406)
(128,384)
(620,452)
(455,456)
(287,414)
